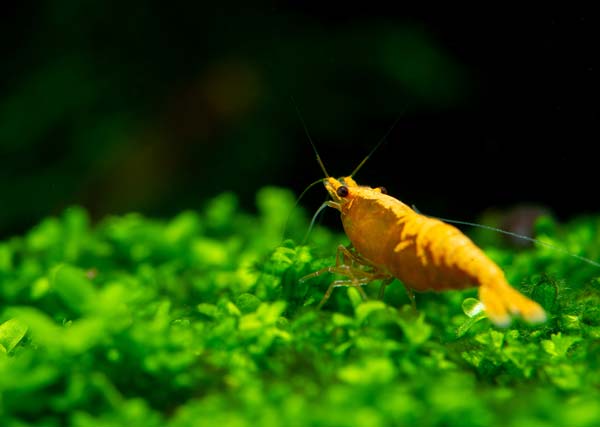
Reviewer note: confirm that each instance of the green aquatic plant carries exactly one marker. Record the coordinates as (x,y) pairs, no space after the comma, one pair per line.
(202,320)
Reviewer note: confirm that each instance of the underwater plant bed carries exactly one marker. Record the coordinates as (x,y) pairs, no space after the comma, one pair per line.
(201,320)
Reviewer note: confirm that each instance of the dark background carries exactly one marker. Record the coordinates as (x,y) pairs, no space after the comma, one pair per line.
(154,107)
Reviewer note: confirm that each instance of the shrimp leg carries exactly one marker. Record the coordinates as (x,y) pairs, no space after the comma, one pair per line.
(352,266)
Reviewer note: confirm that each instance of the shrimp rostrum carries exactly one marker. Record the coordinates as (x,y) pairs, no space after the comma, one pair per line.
(390,240)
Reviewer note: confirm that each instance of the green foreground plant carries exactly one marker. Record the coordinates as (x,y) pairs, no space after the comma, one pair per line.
(201,320)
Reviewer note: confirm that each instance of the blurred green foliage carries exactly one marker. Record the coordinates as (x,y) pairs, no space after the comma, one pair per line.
(201,320)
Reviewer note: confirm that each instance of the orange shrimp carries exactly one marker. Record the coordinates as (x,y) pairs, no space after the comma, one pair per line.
(390,240)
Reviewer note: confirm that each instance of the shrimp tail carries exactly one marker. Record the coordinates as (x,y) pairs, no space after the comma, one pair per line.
(501,302)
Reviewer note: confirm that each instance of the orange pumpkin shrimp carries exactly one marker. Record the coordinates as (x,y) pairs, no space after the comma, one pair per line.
(426,254)
(390,240)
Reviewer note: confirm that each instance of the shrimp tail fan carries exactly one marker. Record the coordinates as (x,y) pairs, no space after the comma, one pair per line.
(501,303)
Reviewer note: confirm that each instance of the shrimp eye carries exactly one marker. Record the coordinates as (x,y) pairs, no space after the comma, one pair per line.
(383,190)
(342,191)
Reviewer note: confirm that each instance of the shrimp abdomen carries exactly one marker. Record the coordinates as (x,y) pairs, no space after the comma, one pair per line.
(427,254)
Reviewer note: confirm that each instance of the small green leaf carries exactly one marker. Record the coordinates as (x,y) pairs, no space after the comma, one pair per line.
(416,330)
(82,335)
(493,339)
(220,211)
(210,252)
(73,287)
(183,227)
(371,371)
(366,308)
(11,333)
(5,258)
(340,320)
(265,315)
(208,310)
(355,297)
(41,327)
(558,345)
(462,329)
(564,376)
(247,303)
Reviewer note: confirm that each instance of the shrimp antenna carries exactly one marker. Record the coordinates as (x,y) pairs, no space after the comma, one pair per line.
(381,141)
(309,138)
(287,220)
(312,221)
(520,236)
